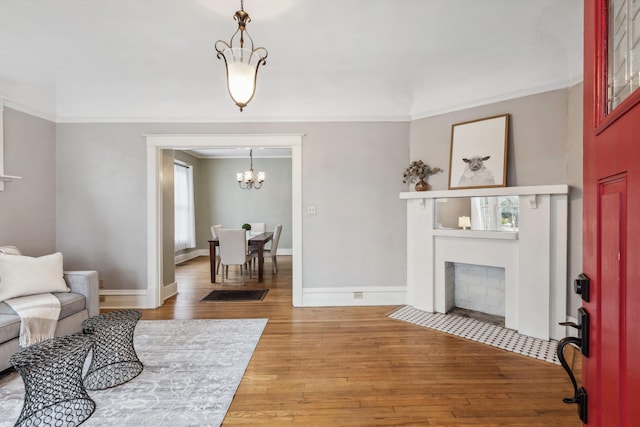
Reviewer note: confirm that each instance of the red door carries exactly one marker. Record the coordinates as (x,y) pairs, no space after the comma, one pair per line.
(611,253)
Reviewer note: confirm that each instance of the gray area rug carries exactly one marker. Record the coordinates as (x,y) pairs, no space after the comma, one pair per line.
(192,369)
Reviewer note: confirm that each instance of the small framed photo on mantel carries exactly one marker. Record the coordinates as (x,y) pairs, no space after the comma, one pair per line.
(479,153)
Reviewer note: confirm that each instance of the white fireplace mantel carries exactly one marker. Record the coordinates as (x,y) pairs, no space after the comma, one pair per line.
(534,258)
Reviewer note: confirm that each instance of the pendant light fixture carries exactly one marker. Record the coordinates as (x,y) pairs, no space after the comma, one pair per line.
(250,179)
(241,60)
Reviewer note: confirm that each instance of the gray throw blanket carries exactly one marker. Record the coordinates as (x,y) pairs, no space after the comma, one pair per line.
(39,314)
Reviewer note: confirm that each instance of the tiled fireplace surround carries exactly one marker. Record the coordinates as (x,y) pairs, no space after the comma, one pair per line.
(534,259)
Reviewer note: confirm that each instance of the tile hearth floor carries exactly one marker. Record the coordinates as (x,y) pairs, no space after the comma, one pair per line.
(493,335)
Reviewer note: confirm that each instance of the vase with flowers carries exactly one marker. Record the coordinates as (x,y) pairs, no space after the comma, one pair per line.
(418,172)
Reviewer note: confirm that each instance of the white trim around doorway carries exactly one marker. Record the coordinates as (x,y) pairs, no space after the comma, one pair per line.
(157,142)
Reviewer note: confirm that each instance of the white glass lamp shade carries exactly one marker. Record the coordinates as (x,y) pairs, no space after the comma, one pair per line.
(242,67)
(261,176)
(239,176)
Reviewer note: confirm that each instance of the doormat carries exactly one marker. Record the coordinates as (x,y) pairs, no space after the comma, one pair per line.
(236,295)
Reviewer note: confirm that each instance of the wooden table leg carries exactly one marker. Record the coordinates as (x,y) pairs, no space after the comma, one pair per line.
(212,261)
(260,260)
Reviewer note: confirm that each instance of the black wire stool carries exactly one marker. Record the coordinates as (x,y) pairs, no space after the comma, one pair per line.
(54,394)
(114,360)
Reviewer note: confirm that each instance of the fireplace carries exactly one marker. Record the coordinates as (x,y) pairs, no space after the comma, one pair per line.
(533,259)
(478,288)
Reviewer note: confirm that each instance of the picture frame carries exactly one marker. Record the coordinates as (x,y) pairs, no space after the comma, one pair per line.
(478,157)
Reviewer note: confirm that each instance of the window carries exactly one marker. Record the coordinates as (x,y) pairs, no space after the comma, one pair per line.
(623,50)
(185,222)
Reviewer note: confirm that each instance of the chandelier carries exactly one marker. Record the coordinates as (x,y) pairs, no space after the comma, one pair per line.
(249,179)
(241,62)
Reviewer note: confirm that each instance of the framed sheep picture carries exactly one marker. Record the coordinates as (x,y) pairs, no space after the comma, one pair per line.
(479,153)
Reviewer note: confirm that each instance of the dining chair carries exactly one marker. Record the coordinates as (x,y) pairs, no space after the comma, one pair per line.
(215,229)
(271,252)
(233,251)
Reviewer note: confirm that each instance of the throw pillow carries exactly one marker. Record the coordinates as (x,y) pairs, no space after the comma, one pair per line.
(24,275)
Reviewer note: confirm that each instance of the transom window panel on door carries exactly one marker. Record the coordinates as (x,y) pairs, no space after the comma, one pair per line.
(623,51)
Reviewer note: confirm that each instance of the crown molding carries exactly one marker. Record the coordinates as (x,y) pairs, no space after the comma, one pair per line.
(233,119)
(499,98)
(10,103)
(297,119)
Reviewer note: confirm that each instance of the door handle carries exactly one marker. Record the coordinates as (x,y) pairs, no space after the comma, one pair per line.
(582,342)
(583,331)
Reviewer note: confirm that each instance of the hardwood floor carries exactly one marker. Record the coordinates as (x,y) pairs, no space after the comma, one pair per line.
(354,366)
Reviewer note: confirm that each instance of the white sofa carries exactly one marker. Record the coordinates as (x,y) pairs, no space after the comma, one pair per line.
(77,305)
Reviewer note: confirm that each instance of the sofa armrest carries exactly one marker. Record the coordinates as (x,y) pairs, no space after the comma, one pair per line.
(85,283)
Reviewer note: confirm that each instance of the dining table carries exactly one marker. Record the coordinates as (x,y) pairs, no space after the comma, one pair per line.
(256,242)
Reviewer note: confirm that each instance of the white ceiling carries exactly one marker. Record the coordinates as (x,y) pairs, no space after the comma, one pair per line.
(154,60)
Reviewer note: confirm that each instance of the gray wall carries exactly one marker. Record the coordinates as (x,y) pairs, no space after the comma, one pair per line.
(574,179)
(221,201)
(28,205)
(545,148)
(537,139)
(351,172)
(168,218)
(101,200)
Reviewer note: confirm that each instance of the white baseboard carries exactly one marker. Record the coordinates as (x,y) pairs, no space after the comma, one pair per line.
(132,298)
(169,290)
(354,296)
(311,297)
(191,255)
(123,298)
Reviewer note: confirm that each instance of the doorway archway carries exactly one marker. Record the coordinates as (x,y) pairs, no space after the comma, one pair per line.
(156,143)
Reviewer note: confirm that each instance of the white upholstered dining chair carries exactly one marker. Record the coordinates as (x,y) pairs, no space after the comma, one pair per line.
(233,251)
(271,252)
(215,229)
